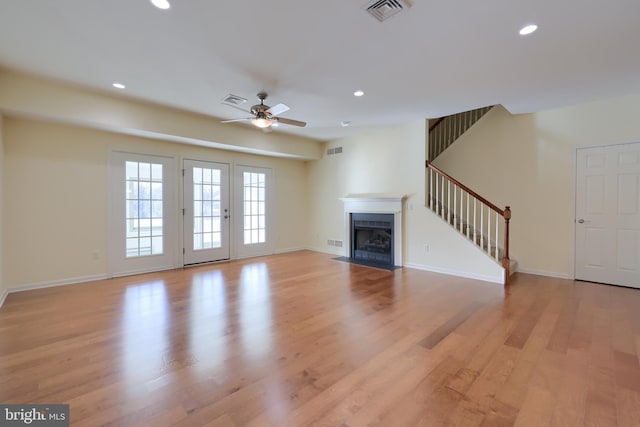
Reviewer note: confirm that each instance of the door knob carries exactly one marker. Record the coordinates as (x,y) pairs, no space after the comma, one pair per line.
(581,221)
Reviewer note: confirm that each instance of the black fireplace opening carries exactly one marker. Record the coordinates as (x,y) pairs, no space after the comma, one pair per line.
(372,238)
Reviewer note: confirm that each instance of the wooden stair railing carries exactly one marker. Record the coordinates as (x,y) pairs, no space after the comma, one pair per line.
(471,214)
(446,130)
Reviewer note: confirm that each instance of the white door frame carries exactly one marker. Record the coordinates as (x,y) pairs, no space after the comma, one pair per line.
(247,251)
(118,264)
(220,254)
(574,197)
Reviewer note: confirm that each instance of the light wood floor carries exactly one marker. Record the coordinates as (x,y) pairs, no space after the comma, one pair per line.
(300,339)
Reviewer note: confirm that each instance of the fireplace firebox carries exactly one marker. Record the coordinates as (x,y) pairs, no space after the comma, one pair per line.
(372,238)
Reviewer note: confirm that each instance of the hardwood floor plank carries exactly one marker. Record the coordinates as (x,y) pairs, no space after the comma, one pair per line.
(523,329)
(537,408)
(571,398)
(514,390)
(569,297)
(299,339)
(628,402)
(601,395)
(450,325)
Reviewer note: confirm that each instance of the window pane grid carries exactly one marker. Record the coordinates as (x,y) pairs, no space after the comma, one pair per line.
(143,209)
(206,209)
(254,208)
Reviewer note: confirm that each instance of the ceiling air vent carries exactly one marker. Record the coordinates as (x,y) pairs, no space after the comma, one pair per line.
(383,9)
(234,99)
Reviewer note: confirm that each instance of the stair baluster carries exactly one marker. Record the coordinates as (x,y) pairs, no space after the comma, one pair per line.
(445,130)
(475,228)
(468,215)
(497,225)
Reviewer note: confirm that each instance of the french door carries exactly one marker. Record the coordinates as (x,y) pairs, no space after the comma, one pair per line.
(254,207)
(206,211)
(608,215)
(142,215)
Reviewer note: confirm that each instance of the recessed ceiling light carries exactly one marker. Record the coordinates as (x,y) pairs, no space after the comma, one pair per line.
(161,4)
(358,93)
(345,123)
(524,31)
(119,85)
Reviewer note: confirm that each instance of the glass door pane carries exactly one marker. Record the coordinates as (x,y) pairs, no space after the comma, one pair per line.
(254,188)
(144,210)
(143,226)
(206,211)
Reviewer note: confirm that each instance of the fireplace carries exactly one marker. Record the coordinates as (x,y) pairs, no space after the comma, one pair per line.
(373,228)
(372,237)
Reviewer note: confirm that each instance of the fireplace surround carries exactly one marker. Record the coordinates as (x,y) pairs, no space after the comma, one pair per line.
(366,208)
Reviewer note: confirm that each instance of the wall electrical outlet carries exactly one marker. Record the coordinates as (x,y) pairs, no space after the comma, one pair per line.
(426,248)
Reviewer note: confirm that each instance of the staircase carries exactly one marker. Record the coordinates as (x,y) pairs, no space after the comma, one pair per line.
(445,130)
(482,222)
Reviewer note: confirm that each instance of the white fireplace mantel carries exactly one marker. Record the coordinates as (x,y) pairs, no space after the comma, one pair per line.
(375,203)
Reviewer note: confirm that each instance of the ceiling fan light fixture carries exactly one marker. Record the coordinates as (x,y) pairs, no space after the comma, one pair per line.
(161,4)
(261,122)
(528,29)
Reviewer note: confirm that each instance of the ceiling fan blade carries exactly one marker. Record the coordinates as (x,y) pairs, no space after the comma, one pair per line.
(291,122)
(278,109)
(236,120)
(237,108)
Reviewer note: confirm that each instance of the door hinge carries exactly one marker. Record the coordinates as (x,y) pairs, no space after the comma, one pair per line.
(183,251)
(183,211)
(182,172)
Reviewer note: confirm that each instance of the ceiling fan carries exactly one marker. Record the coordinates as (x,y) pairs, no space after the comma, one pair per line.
(264,116)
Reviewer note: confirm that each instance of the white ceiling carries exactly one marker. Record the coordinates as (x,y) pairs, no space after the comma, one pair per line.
(433,59)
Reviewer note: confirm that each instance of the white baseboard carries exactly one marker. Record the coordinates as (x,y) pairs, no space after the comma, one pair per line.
(287,250)
(52,283)
(3,296)
(545,273)
(457,273)
(336,252)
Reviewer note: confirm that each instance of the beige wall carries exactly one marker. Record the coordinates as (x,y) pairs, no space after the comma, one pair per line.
(23,95)
(55,215)
(389,160)
(3,288)
(53,224)
(528,161)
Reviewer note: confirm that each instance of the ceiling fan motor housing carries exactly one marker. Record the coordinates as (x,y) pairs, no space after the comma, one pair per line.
(259,109)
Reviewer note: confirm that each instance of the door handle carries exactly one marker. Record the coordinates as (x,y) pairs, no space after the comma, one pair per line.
(582,221)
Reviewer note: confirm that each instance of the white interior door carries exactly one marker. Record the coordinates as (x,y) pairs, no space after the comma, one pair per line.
(206,211)
(608,215)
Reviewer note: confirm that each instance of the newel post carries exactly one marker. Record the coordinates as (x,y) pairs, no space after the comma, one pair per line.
(506,263)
